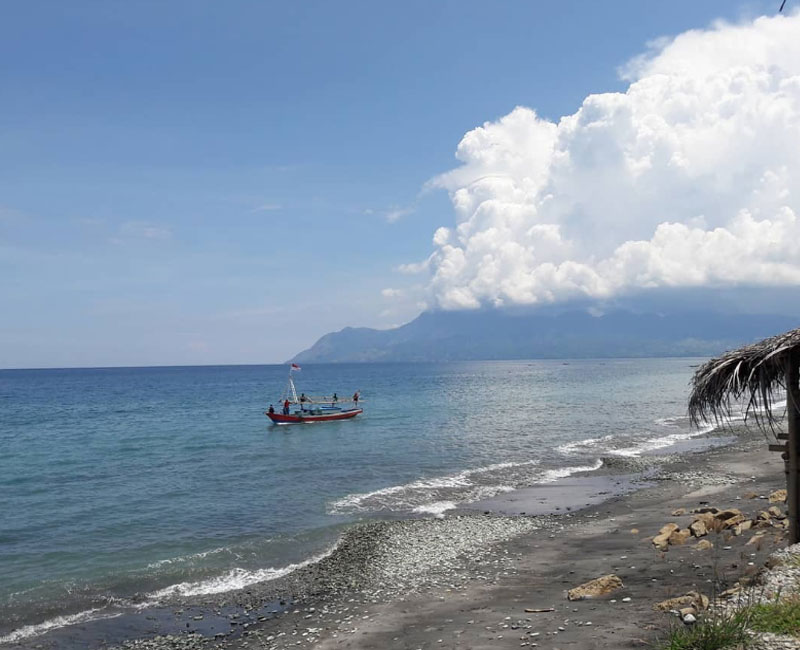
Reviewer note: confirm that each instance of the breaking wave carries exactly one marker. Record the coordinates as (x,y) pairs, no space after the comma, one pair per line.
(634,446)
(421,495)
(234,579)
(38,629)
(437,495)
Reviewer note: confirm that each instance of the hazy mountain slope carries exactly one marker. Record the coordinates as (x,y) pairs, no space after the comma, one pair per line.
(493,334)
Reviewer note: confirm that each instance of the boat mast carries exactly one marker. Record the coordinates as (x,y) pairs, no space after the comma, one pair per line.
(290,391)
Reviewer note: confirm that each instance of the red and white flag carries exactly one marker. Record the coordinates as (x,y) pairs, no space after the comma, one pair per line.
(295,366)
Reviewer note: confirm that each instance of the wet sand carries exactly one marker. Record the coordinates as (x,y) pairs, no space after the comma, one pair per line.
(465,580)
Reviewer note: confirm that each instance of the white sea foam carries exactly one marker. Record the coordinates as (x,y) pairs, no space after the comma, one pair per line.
(437,508)
(606,444)
(583,445)
(563,472)
(234,579)
(653,444)
(187,558)
(671,422)
(29,631)
(422,492)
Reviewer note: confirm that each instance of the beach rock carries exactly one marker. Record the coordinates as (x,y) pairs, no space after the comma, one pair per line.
(689,619)
(705,509)
(739,528)
(751,495)
(698,528)
(775,512)
(730,518)
(778,496)
(679,512)
(597,587)
(661,541)
(679,537)
(693,600)
(755,539)
(703,545)
(708,518)
(668,529)
(728,513)
(729,593)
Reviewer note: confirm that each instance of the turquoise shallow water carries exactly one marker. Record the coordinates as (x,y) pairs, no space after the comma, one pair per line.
(127,483)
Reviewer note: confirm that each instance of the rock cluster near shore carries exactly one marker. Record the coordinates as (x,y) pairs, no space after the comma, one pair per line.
(709,519)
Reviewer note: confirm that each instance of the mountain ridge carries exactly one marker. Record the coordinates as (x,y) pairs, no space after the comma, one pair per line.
(495,335)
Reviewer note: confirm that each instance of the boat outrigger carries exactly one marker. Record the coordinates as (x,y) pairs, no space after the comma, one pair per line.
(311,409)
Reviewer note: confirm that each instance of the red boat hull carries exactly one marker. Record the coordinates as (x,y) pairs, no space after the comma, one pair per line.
(280,418)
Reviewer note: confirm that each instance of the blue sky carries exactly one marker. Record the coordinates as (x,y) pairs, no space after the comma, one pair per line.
(205,182)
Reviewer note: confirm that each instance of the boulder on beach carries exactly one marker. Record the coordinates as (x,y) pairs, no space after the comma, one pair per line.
(727,514)
(703,545)
(679,537)
(597,587)
(693,599)
(733,521)
(778,496)
(698,528)
(668,529)
(661,542)
(775,511)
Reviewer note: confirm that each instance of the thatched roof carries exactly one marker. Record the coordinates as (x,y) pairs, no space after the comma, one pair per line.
(745,377)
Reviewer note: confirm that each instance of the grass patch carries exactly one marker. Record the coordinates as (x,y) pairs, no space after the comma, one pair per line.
(779,617)
(712,632)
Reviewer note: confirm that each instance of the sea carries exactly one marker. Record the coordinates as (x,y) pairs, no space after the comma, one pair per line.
(122,486)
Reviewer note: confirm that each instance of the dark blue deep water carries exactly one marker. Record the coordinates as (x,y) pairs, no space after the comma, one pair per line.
(126,481)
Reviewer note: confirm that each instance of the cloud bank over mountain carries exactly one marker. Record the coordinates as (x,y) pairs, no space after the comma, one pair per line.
(691,178)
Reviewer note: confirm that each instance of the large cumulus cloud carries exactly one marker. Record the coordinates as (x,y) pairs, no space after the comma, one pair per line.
(691,178)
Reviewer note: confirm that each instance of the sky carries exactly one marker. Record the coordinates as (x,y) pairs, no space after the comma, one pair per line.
(204,183)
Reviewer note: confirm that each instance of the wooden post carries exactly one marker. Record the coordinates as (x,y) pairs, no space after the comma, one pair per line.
(793,446)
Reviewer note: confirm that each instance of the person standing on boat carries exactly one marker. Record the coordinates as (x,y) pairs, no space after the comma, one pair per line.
(355,398)
(286,407)
(271,409)
(303,400)
(334,399)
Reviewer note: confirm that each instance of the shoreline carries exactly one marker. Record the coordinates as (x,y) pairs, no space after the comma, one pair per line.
(452,556)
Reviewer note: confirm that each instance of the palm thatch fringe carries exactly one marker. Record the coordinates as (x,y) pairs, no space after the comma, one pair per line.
(749,377)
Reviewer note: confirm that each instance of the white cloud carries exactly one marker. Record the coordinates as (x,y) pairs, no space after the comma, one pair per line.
(413,268)
(397,213)
(691,178)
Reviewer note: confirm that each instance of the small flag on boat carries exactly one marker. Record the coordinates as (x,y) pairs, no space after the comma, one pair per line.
(295,366)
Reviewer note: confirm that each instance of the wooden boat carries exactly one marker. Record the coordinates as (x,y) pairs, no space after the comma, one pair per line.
(305,409)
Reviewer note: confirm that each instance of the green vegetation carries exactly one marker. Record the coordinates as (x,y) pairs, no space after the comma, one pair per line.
(779,617)
(729,630)
(711,632)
